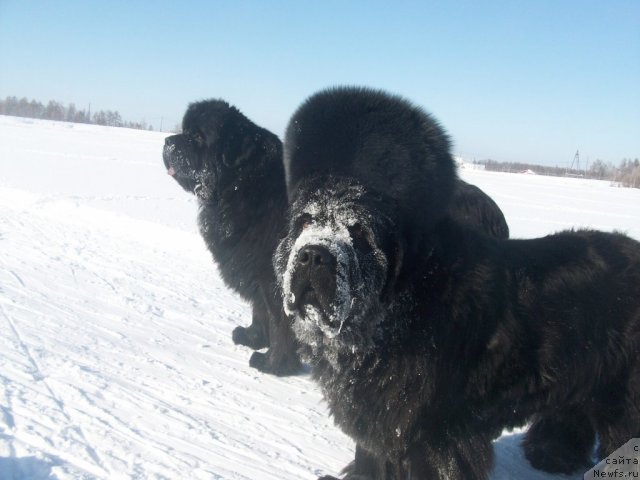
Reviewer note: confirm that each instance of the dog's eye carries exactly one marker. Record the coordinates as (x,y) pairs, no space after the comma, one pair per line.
(360,236)
(304,221)
(356,231)
(198,139)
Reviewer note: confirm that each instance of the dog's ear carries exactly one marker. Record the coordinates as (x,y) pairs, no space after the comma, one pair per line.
(238,149)
(242,147)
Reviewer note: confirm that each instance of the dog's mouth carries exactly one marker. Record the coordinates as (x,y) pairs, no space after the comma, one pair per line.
(181,164)
(309,297)
(312,306)
(188,182)
(185,169)
(317,292)
(326,318)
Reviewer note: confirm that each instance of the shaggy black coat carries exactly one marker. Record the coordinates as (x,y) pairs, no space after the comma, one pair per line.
(427,337)
(235,169)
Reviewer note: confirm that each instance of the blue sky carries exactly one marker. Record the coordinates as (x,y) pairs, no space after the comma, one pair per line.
(510,80)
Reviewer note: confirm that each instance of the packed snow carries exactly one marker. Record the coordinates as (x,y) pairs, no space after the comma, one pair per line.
(116,360)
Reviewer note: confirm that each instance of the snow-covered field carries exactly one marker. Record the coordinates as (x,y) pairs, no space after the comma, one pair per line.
(116,358)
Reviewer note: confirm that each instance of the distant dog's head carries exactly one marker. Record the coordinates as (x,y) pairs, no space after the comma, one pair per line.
(367,175)
(216,147)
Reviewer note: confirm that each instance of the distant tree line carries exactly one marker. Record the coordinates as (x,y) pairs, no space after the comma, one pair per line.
(626,174)
(53,110)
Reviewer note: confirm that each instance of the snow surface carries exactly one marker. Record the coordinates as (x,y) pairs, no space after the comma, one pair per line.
(116,358)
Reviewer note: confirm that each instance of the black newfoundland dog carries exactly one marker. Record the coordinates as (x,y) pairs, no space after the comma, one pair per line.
(427,337)
(235,169)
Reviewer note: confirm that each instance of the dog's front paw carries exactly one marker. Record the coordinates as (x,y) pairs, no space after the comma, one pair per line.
(281,366)
(252,337)
(559,445)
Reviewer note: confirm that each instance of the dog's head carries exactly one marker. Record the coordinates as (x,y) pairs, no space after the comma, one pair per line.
(218,144)
(341,257)
(367,175)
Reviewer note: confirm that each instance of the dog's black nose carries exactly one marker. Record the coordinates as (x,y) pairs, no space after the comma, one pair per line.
(314,279)
(315,256)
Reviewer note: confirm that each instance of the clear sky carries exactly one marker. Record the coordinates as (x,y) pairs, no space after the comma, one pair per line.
(529,81)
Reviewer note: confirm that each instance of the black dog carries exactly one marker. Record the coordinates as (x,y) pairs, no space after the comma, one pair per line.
(429,338)
(235,169)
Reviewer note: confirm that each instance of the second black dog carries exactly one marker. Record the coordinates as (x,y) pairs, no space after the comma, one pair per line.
(235,169)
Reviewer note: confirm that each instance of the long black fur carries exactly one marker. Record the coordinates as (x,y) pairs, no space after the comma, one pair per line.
(235,169)
(427,337)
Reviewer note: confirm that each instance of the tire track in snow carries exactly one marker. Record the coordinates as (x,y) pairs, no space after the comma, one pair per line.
(17,277)
(38,375)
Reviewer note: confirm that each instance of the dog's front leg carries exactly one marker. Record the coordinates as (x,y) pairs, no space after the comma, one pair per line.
(469,457)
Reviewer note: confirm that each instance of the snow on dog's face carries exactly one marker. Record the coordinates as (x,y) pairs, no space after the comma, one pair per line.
(340,256)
